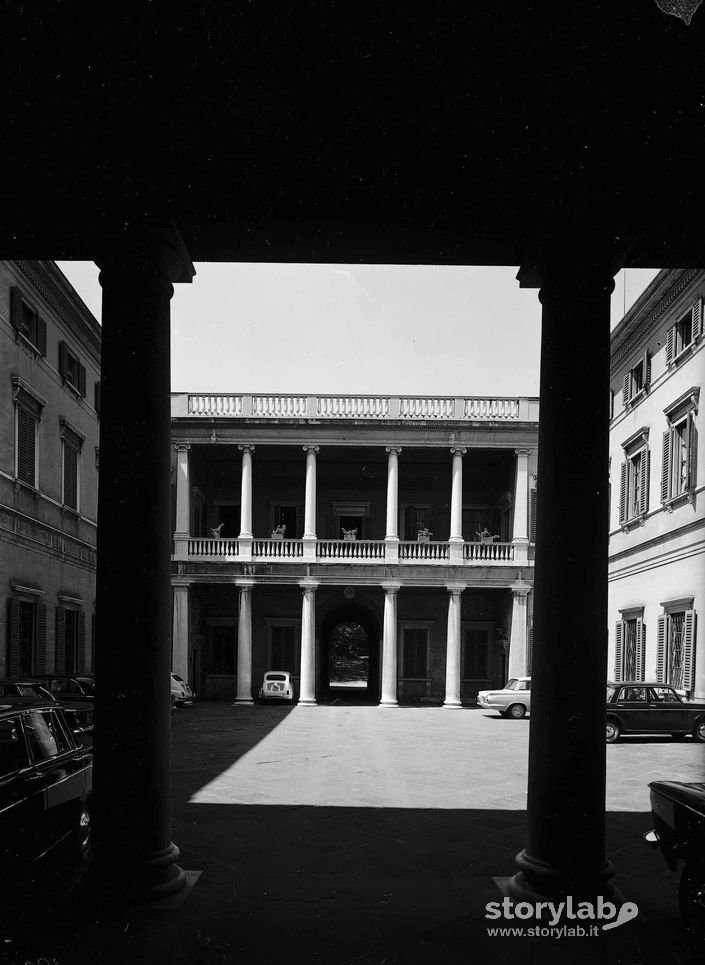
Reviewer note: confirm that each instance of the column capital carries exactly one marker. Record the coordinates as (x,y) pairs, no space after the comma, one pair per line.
(396,449)
(246,448)
(524,452)
(391,587)
(243,584)
(311,448)
(180,583)
(309,585)
(455,589)
(147,248)
(458,450)
(521,592)
(182,446)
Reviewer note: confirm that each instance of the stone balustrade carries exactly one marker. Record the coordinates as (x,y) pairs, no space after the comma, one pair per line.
(406,408)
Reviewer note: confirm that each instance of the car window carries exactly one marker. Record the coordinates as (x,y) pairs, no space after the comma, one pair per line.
(664,695)
(87,687)
(512,684)
(276,676)
(13,750)
(47,737)
(611,691)
(523,685)
(632,694)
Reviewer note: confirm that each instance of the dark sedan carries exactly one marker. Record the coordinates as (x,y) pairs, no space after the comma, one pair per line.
(649,707)
(46,779)
(79,713)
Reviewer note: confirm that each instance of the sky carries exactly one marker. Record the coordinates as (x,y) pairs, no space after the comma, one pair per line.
(375,329)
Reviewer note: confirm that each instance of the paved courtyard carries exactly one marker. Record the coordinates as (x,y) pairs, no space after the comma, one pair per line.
(354,834)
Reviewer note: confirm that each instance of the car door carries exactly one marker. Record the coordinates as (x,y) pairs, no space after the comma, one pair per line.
(633,704)
(666,711)
(23,831)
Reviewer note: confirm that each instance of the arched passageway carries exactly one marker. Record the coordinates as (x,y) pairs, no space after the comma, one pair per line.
(349,656)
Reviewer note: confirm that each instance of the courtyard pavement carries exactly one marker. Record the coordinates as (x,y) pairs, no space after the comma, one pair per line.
(357,834)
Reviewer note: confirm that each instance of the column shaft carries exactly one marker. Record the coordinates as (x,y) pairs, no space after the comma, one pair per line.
(246,493)
(389,649)
(183,494)
(307,680)
(243,694)
(392,494)
(565,847)
(452,698)
(456,497)
(518,634)
(179,657)
(310,501)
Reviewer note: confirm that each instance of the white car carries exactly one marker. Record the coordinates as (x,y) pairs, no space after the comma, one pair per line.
(181,693)
(513,700)
(277,685)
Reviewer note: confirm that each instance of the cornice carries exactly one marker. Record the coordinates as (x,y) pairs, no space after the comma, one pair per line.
(90,342)
(642,330)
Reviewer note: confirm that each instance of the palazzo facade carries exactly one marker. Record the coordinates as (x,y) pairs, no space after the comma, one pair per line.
(406,519)
(657,469)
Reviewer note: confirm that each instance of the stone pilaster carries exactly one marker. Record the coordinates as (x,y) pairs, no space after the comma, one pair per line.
(243,693)
(452,697)
(389,647)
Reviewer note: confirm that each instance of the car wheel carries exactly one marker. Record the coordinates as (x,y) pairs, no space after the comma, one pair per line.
(691,900)
(516,711)
(612,732)
(699,731)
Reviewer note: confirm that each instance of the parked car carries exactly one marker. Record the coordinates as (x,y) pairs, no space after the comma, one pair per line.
(649,707)
(181,693)
(77,687)
(513,700)
(46,778)
(277,685)
(78,713)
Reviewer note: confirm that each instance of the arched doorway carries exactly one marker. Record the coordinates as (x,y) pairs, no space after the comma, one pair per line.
(349,656)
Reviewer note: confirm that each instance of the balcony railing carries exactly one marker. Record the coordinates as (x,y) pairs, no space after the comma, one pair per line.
(407,408)
(406,552)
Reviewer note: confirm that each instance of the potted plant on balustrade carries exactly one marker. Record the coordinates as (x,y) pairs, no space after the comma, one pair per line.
(349,534)
(484,536)
(424,535)
(278,531)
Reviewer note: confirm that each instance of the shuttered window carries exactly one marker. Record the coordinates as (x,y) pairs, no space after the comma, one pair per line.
(71,370)
(679,454)
(70,645)
(675,655)
(414,653)
(70,476)
(26,446)
(637,380)
(686,331)
(630,649)
(634,485)
(26,321)
(27,637)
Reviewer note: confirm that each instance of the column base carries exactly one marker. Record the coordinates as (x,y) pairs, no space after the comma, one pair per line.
(388,702)
(539,881)
(452,704)
(307,702)
(243,700)
(123,883)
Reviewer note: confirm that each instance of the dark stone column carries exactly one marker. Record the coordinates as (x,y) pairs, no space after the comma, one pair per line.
(565,850)
(134,857)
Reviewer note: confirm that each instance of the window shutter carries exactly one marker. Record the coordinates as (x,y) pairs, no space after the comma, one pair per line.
(666,467)
(640,648)
(532,515)
(661,650)
(618,656)
(623,493)
(60,645)
(692,452)
(96,397)
(688,650)
(70,477)
(41,650)
(15,308)
(627,389)
(646,472)
(670,342)
(647,369)
(82,380)
(13,648)
(26,446)
(530,651)
(63,359)
(41,336)
(697,319)
(81,642)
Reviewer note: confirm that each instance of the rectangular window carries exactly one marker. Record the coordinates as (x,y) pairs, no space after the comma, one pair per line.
(637,379)
(27,636)
(630,648)
(71,370)
(675,658)
(26,469)
(684,333)
(70,476)
(476,653)
(634,479)
(679,455)
(414,664)
(70,652)
(26,321)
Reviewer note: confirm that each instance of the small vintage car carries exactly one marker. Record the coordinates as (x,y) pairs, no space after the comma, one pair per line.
(181,693)
(513,700)
(277,685)
(46,778)
(650,707)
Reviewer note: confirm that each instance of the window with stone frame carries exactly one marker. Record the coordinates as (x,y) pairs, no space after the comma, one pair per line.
(630,646)
(27,633)
(634,477)
(71,370)
(678,467)
(675,650)
(637,380)
(71,445)
(414,652)
(28,412)
(685,332)
(27,322)
(70,652)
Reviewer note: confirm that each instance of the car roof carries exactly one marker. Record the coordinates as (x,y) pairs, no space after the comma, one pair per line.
(8,704)
(267,672)
(64,676)
(637,683)
(21,680)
